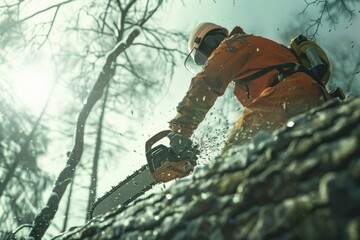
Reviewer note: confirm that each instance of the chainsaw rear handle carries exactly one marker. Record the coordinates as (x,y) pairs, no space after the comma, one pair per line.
(157,137)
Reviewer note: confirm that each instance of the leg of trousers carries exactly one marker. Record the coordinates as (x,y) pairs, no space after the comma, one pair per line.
(297,94)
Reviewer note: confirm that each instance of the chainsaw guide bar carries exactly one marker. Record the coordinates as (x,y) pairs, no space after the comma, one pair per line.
(163,165)
(124,193)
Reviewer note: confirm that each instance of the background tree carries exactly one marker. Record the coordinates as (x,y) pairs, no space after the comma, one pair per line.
(135,87)
(329,14)
(320,18)
(22,141)
(136,82)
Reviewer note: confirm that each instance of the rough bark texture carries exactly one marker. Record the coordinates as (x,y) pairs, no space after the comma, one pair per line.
(303,182)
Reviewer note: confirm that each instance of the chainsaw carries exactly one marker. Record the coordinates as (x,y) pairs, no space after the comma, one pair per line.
(163,165)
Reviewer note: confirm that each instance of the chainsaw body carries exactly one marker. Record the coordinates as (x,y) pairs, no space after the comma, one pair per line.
(163,163)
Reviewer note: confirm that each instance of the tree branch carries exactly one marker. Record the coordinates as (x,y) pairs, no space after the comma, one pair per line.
(45,10)
(330,8)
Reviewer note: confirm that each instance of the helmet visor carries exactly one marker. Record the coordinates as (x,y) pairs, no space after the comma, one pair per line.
(195,60)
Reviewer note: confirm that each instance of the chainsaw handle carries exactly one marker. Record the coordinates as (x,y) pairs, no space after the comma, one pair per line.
(149,143)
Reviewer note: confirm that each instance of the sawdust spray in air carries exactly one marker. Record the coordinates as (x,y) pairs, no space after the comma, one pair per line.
(211,133)
(210,140)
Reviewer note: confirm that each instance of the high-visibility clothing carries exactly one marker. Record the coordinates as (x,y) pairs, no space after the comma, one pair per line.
(268,103)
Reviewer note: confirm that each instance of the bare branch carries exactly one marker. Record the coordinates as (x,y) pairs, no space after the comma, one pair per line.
(50,28)
(160,48)
(124,12)
(105,14)
(327,8)
(151,13)
(45,10)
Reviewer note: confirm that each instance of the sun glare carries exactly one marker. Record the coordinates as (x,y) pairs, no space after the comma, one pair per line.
(32,85)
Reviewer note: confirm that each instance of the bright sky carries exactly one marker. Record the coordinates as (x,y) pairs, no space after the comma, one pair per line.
(33,84)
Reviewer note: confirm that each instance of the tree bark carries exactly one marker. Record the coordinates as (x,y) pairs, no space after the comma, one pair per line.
(94,177)
(302,182)
(68,205)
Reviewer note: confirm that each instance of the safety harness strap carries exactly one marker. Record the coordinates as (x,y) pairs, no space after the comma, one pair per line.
(284,69)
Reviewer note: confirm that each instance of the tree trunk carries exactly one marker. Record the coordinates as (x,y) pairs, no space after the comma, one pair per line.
(302,182)
(68,205)
(9,175)
(94,178)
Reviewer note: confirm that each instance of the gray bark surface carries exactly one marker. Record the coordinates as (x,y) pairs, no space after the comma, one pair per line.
(302,182)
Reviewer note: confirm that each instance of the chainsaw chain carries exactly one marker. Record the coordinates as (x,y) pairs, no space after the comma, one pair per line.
(128,179)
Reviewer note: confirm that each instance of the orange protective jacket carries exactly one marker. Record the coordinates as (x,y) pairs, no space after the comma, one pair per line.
(268,104)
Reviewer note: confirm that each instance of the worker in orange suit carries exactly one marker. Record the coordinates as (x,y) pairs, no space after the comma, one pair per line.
(270,95)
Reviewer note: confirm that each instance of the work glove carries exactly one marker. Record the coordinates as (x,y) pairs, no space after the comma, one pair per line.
(183,147)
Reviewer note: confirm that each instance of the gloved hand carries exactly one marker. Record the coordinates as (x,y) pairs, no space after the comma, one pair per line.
(183,147)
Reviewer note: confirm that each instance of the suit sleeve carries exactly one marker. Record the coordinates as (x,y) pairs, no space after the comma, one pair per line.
(208,85)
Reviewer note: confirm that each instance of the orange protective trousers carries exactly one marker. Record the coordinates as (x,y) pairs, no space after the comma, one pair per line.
(275,106)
